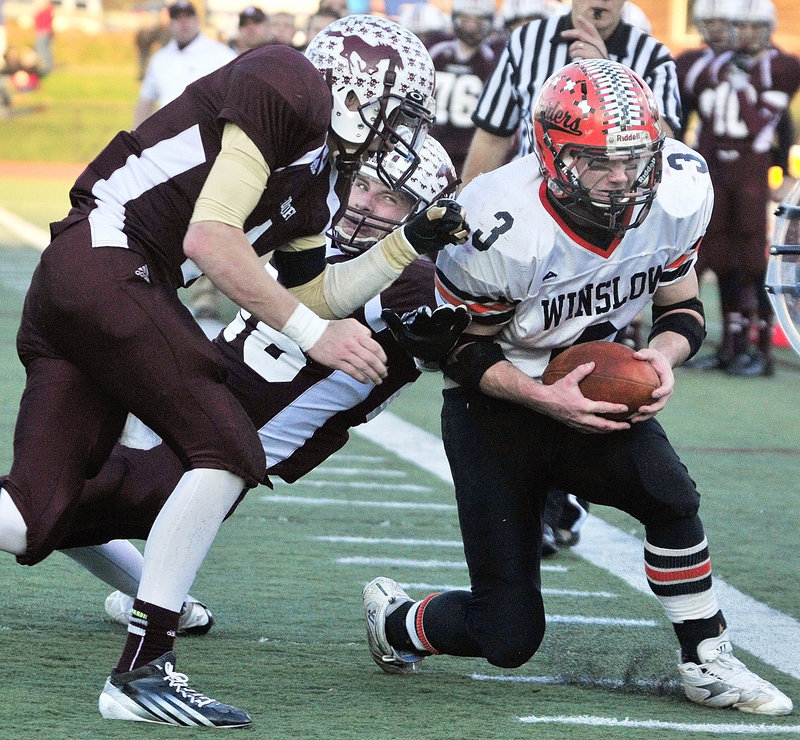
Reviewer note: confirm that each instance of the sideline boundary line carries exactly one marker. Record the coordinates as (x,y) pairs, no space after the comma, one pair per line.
(652,724)
(759,629)
(31,235)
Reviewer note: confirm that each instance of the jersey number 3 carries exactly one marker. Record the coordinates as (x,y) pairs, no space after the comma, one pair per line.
(482,243)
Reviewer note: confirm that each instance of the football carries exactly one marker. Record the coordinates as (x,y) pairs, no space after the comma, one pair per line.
(617,377)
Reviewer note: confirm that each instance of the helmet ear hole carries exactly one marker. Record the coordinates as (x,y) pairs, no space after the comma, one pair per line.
(351,101)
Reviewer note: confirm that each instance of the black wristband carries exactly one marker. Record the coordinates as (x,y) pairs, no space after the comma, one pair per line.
(471,362)
(684,324)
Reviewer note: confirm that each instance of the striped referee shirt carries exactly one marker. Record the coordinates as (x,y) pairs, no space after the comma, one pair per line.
(536,50)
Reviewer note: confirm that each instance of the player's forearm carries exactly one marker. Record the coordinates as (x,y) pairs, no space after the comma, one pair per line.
(504,381)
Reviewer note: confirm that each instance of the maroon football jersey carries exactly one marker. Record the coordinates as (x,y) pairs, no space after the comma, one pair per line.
(303,410)
(740,104)
(458,86)
(140,191)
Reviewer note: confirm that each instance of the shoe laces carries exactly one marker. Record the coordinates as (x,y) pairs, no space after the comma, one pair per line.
(731,670)
(179,683)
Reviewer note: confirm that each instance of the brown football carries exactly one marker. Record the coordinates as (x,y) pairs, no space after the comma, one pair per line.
(617,377)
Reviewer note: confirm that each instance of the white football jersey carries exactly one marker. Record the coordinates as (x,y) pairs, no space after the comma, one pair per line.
(525,268)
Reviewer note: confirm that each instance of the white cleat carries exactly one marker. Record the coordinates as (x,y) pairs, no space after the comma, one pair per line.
(196,618)
(721,680)
(381,597)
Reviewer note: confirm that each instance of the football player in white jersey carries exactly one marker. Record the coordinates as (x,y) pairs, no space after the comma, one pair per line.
(568,245)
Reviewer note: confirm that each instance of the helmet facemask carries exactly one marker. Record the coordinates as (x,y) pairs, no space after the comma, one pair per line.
(434,178)
(382,81)
(579,168)
(596,136)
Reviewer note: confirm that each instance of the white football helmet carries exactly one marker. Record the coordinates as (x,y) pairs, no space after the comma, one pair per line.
(783,268)
(434,178)
(517,12)
(759,13)
(712,19)
(470,32)
(423,19)
(382,80)
(633,14)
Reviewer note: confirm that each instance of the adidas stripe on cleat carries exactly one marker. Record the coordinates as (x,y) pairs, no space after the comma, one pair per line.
(156,693)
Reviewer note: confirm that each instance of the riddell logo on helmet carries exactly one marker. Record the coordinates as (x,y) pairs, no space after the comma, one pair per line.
(556,117)
(627,138)
(362,57)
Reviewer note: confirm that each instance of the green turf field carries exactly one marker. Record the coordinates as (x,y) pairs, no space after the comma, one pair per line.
(285,575)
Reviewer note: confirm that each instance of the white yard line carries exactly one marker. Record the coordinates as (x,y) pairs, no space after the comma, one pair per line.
(761,630)
(31,235)
(651,724)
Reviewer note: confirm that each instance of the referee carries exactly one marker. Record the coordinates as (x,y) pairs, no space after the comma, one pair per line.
(593,29)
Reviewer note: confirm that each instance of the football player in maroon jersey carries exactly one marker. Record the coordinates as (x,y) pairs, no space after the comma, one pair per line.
(741,97)
(255,157)
(463,64)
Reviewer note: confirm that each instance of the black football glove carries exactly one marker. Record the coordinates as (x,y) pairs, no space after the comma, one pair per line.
(443,222)
(427,335)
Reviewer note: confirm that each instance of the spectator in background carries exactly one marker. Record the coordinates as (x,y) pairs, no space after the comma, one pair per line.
(253,29)
(3,34)
(189,55)
(463,64)
(43,41)
(318,20)
(282,28)
(337,6)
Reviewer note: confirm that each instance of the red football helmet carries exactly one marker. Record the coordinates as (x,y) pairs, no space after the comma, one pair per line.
(595,116)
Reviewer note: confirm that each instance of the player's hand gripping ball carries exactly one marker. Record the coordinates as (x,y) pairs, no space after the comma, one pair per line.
(618,377)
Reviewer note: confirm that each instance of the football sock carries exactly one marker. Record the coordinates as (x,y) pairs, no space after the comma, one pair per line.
(678,569)
(118,563)
(416,629)
(693,631)
(396,632)
(183,532)
(151,633)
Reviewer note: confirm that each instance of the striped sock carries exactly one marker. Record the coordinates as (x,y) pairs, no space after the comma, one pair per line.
(415,628)
(151,633)
(681,580)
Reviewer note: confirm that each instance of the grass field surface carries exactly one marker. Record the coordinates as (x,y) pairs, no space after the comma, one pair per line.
(285,575)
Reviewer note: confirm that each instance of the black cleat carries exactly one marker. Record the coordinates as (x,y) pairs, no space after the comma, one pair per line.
(752,364)
(156,693)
